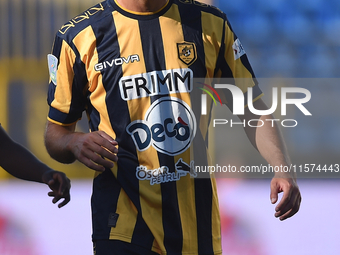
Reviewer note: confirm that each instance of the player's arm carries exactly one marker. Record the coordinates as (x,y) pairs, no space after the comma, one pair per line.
(96,150)
(269,142)
(21,163)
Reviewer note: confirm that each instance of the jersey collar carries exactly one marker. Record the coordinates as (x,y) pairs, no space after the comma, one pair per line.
(140,15)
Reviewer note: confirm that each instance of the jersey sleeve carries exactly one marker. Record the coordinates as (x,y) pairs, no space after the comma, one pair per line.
(67,86)
(234,67)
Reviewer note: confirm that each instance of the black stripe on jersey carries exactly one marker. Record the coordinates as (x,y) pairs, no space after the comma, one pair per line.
(142,235)
(78,103)
(221,62)
(192,31)
(151,37)
(126,171)
(203,199)
(111,195)
(245,62)
(109,49)
(223,66)
(106,190)
(155,60)
(256,92)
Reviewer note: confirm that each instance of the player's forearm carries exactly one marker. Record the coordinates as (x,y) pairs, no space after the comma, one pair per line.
(28,167)
(20,162)
(268,140)
(58,140)
(270,143)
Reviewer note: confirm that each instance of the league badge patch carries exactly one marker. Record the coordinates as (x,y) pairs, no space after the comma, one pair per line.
(238,49)
(52,67)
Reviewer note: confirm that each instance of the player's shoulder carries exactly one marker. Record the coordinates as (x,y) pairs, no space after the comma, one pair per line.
(191,6)
(91,17)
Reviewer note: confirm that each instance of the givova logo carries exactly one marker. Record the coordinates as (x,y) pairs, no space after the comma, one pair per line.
(169,126)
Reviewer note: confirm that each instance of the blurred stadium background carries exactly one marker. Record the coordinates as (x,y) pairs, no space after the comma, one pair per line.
(283,38)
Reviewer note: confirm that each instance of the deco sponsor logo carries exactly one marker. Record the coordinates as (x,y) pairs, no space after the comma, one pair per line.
(169,126)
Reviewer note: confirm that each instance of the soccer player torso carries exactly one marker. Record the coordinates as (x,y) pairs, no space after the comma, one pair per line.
(134,75)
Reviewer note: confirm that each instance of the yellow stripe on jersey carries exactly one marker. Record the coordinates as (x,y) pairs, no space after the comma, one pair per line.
(243,78)
(62,96)
(127,219)
(85,42)
(172,31)
(150,195)
(212,39)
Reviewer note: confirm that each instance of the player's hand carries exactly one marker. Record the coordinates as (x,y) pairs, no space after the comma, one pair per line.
(291,199)
(97,150)
(60,186)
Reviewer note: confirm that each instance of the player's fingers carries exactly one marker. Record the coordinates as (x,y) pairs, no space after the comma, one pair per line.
(101,161)
(107,137)
(56,199)
(290,201)
(65,201)
(287,207)
(292,211)
(107,142)
(59,182)
(94,161)
(287,188)
(107,154)
(97,167)
(273,192)
(65,188)
(51,183)
(64,183)
(51,194)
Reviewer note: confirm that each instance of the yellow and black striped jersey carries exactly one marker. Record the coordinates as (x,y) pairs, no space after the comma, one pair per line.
(133,74)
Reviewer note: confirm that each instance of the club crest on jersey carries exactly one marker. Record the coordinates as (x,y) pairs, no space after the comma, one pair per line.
(187,52)
(52,62)
(169,126)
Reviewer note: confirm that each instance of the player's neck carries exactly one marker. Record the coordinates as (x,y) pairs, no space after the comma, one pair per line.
(142,5)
